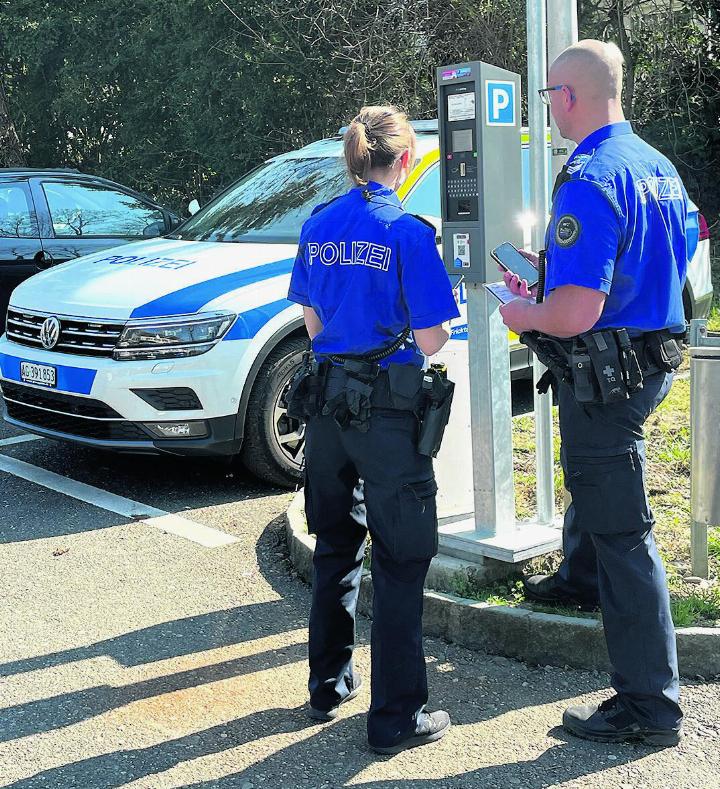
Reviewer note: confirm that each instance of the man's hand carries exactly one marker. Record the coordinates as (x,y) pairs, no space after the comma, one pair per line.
(516,314)
(519,287)
(532,257)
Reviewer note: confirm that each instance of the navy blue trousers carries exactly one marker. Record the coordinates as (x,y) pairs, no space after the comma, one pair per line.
(610,551)
(402,520)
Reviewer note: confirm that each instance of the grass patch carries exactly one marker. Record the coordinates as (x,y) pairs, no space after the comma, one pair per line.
(714,316)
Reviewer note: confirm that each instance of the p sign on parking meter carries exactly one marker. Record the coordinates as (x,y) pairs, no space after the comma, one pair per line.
(500,103)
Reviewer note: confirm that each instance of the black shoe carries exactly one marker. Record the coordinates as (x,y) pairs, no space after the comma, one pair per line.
(547,589)
(431,726)
(331,714)
(610,722)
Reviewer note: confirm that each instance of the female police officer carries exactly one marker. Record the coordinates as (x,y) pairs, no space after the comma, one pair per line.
(368,274)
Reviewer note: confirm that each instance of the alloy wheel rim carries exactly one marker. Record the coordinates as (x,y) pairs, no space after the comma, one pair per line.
(289,433)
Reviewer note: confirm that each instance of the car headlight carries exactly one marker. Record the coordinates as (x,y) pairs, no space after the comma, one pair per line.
(172,338)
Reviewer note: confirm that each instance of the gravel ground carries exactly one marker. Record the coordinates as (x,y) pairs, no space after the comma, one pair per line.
(131,657)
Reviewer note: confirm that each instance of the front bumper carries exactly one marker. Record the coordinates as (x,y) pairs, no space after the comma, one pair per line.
(95,405)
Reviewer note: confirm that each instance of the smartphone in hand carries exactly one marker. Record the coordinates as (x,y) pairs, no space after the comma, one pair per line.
(509,259)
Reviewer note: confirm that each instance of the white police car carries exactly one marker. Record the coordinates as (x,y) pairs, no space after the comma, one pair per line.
(186,344)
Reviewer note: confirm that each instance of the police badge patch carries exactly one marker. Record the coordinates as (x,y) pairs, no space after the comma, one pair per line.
(567,230)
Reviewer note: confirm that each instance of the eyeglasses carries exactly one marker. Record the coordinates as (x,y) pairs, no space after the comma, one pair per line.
(544,93)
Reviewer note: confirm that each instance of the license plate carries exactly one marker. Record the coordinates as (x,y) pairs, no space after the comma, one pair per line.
(41,374)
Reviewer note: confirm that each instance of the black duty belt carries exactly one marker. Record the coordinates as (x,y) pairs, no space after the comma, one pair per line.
(604,366)
(350,392)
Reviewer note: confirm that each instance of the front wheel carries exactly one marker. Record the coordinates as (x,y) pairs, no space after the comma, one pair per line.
(274,444)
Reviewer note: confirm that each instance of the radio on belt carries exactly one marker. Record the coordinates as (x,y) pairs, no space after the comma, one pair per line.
(481,165)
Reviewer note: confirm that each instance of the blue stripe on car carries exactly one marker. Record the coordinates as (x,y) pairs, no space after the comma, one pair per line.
(69,379)
(249,323)
(190,299)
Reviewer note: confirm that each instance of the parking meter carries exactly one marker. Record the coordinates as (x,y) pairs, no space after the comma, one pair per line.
(481,198)
(480,165)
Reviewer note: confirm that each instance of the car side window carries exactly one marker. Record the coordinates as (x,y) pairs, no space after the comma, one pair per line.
(87,210)
(425,197)
(17,217)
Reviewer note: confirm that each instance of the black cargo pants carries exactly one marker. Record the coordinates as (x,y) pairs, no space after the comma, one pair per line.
(610,551)
(401,518)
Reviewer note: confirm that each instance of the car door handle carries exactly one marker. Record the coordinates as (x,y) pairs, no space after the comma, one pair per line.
(43,260)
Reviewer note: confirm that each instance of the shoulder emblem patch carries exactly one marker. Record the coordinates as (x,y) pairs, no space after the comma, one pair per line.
(579,162)
(567,230)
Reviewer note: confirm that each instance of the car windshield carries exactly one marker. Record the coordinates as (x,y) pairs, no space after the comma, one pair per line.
(270,204)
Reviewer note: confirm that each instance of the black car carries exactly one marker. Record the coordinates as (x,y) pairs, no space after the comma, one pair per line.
(51,216)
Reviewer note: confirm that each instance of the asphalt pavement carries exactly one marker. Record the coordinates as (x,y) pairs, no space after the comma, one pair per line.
(153,635)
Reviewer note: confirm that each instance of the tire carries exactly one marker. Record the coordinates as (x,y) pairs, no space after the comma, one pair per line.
(263,452)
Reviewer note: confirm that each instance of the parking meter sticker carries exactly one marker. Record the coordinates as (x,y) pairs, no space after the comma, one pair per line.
(456,73)
(500,103)
(459,332)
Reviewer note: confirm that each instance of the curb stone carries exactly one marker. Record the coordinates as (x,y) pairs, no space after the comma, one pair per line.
(531,636)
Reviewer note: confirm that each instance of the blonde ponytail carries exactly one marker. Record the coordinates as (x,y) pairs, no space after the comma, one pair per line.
(376,137)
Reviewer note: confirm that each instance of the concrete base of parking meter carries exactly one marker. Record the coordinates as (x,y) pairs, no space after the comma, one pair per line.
(492,531)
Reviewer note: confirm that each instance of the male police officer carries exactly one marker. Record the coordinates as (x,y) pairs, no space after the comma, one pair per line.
(617,259)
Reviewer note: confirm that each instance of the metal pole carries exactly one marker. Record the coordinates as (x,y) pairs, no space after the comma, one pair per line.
(539,175)
(699,507)
(491,415)
(562,33)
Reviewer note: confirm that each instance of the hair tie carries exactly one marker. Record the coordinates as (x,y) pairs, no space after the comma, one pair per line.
(366,130)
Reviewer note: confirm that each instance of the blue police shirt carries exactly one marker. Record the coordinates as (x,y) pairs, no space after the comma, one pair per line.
(618,225)
(369,270)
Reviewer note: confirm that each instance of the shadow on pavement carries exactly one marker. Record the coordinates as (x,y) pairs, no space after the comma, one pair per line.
(174,639)
(552,767)
(56,712)
(121,767)
(192,634)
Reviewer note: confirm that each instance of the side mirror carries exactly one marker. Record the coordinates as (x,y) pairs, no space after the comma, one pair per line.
(154,230)
(193,207)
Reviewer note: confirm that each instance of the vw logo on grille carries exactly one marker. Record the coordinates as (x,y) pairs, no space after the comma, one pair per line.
(50,333)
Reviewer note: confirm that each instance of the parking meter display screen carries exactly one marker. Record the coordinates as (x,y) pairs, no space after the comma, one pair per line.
(462,140)
(461,107)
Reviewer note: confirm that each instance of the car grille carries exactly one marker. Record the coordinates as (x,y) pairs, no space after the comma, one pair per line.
(58,401)
(77,336)
(171,398)
(63,413)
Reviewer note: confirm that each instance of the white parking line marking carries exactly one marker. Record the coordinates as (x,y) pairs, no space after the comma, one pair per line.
(6,442)
(158,519)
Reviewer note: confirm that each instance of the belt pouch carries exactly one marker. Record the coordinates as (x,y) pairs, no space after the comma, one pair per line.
(664,350)
(605,358)
(583,377)
(404,383)
(438,393)
(630,362)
